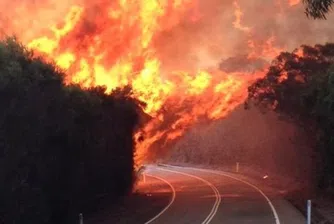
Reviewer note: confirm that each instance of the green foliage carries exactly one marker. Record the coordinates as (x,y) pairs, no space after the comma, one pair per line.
(306,96)
(318,9)
(61,147)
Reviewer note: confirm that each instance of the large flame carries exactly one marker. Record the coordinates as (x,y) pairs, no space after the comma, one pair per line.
(121,42)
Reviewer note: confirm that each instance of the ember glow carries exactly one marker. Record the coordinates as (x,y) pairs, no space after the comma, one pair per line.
(294,2)
(148,44)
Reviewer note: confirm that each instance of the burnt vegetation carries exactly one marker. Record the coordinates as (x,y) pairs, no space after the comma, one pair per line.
(300,87)
(62,149)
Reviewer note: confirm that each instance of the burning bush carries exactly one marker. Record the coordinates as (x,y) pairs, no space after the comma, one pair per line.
(62,148)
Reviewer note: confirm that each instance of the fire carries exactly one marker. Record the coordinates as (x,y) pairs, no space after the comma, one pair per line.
(238,18)
(294,2)
(266,50)
(113,43)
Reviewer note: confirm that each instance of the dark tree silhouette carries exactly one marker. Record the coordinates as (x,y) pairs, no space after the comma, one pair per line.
(62,149)
(318,9)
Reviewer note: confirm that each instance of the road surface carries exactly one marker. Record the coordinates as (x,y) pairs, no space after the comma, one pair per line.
(200,196)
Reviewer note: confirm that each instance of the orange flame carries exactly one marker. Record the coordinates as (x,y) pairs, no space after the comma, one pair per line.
(113,44)
(238,17)
(293,2)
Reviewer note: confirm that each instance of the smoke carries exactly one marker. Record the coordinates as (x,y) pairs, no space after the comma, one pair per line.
(217,34)
(242,63)
(252,138)
(208,32)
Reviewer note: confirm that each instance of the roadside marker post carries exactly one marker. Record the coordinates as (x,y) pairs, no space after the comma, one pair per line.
(80,218)
(308,211)
(237,167)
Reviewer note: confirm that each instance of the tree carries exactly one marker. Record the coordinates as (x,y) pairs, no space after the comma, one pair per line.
(301,89)
(62,147)
(318,9)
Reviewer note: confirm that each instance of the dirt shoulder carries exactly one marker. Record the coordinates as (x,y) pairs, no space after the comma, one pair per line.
(322,206)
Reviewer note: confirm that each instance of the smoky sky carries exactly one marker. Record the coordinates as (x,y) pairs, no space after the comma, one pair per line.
(214,37)
(189,44)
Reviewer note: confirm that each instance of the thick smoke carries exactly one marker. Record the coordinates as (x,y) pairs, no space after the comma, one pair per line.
(258,141)
(204,36)
(213,36)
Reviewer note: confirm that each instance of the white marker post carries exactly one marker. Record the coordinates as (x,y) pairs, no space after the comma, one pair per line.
(308,211)
(80,218)
(237,167)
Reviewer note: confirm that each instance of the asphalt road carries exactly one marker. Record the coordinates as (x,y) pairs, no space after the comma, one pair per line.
(208,196)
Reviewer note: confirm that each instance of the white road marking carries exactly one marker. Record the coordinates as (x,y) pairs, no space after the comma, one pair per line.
(277,221)
(170,202)
(215,190)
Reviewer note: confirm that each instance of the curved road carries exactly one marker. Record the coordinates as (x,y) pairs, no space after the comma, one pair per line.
(201,196)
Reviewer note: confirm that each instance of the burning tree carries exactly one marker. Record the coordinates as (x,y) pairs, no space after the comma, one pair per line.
(299,85)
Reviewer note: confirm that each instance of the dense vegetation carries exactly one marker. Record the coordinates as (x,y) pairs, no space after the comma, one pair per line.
(318,9)
(62,148)
(301,88)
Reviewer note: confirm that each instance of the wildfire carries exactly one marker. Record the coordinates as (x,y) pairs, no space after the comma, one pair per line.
(113,43)
(294,2)
(238,18)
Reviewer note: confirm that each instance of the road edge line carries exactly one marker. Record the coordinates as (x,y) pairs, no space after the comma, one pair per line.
(215,207)
(170,202)
(222,173)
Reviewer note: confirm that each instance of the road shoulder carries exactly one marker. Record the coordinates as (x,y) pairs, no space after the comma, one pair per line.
(134,208)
